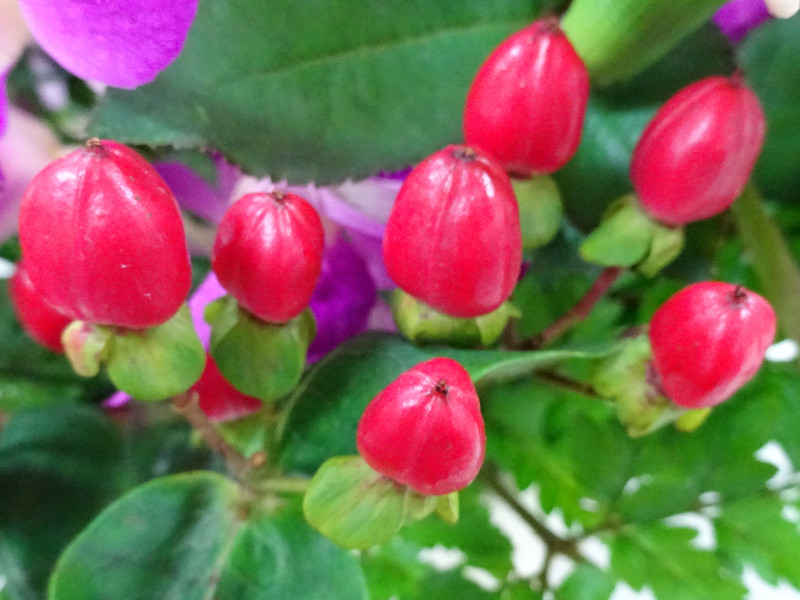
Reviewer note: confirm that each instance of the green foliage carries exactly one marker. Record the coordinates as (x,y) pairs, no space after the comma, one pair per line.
(361,86)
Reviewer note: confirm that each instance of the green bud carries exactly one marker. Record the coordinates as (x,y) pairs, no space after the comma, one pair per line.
(84,345)
(424,325)
(260,359)
(540,210)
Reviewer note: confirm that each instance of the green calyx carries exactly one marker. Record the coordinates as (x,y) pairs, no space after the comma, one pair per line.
(357,508)
(424,325)
(260,359)
(147,364)
(617,39)
(627,237)
(540,210)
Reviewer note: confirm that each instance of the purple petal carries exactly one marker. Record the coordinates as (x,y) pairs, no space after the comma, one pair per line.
(122,43)
(195,194)
(206,292)
(738,17)
(343,298)
(3,103)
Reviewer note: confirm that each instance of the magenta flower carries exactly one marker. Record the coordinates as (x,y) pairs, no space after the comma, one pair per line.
(737,17)
(122,43)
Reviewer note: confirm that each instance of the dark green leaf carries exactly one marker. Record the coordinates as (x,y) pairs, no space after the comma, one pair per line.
(328,404)
(192,537)
(58,468)
(768,58)
(361,87)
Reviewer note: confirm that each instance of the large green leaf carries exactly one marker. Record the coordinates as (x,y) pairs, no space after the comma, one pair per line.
(58,468)
(768,57)
(327,406)
(319,90)
(193,537)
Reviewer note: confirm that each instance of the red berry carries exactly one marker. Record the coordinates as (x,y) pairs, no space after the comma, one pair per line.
(103,238)
(527,103)
(697,152)
(40,320)
(425,429)
(268,254)
(218,399)
(453,237)
(708,340)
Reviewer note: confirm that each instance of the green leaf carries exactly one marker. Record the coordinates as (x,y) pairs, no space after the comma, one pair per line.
(59,465)
(31,375)
(587,582)
(768,58)
(193,537)
(361,87)
(327,406)
(664,559)
(754,532)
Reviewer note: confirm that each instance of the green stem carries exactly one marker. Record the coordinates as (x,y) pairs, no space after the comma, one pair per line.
(775,267)
(619,38)
(288,485)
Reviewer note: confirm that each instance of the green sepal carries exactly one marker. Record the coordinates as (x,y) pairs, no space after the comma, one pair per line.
(260,359)
(159,362)
(417,506)
(354,506)
(623,237)
(84,345)
(424,325)
(692,419)
(665,246)
(618,38)
(248,434)
(624,377)
(447,507)
(627,237)
(540,210)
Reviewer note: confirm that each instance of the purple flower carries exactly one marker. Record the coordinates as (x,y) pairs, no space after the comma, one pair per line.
(122,43)
(738,17)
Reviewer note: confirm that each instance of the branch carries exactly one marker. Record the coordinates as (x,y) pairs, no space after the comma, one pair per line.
(555,544)
(186,405)
(563,381)
(578,312)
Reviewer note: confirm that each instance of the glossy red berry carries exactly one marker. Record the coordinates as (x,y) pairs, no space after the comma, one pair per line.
(527,104)
(268,254)
(103,238)
(425,429)
(39,320)
(696,154)
(218,399)
(708,340)
(453,237)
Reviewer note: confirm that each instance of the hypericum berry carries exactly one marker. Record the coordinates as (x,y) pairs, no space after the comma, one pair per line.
(526,105)
(696,154)
(103,238)
(39,320)
(425,429)
(708,340)
(218,399)
(268,254)
(453,237)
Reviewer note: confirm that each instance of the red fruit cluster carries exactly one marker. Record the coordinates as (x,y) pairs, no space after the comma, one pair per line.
(43,323)
(268,254)
(425,429)
(697,152)
(103,240)
(453,237)
(708,340)
(527,104)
